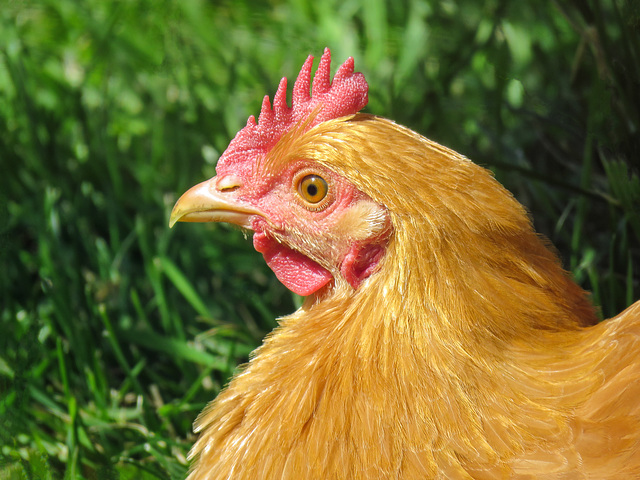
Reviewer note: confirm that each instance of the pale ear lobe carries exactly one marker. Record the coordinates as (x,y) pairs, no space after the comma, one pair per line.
(364,220)
(368,227)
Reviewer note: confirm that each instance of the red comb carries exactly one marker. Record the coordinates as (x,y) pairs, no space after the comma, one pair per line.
(346,95)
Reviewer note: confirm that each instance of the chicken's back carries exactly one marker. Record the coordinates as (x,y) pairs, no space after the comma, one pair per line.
(598,380)
(608,425)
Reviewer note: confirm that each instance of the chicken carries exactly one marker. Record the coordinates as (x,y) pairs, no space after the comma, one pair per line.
(439,337)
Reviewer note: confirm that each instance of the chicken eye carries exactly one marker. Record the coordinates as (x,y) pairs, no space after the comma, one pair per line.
(313,188)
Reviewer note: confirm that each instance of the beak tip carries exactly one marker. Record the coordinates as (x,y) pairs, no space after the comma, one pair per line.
(175,216)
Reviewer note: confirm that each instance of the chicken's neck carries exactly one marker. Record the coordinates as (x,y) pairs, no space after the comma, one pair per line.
(430,336)
(407,361)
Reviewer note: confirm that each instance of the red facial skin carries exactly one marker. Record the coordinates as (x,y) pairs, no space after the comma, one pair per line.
(304,245)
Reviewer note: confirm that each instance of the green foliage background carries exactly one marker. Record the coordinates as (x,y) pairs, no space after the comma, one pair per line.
(116,331)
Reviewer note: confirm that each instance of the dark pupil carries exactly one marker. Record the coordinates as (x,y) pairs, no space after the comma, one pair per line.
(312,190)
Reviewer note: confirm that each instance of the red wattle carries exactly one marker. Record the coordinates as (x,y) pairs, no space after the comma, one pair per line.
(297,272)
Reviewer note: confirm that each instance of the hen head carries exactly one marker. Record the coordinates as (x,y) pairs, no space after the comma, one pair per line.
(311,224)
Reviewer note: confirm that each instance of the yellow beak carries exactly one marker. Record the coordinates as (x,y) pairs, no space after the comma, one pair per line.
(212,201)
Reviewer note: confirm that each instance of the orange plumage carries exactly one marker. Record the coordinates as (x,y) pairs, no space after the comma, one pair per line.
(440,337)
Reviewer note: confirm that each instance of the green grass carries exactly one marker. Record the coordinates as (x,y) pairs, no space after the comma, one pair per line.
(116,331)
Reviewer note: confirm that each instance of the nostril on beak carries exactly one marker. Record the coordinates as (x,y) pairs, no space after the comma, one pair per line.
(228,183)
